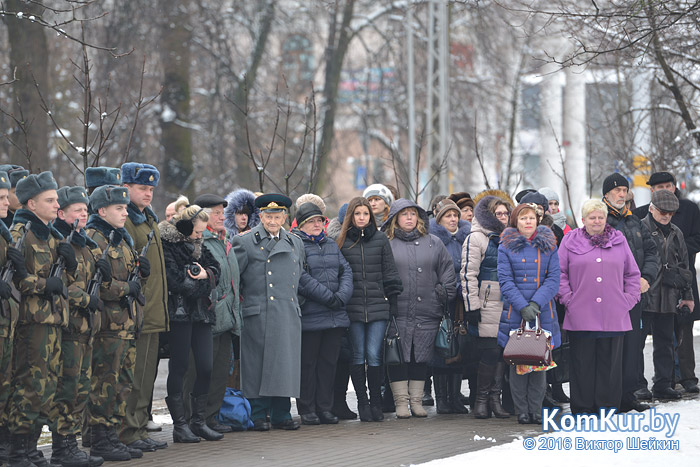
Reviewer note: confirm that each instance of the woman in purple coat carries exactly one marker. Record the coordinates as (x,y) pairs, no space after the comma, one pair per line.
(599,285)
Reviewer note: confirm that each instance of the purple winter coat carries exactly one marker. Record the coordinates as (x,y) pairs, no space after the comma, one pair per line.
(598,285)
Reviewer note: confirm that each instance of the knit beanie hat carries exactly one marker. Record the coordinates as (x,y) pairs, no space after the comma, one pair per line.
(549,193)
(379,190)
(614,180)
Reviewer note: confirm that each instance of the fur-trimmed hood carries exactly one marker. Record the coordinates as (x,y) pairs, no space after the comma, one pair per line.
(544,240)
(486,221)
(498,193)
(237,200)
(169,233)
(403,203)
(463,229)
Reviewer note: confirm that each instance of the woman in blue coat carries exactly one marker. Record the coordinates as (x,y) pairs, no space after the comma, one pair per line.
(528,274)
(326,286)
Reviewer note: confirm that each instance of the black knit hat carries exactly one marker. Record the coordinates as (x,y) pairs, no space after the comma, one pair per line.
(33,185)
(68,195)
(614,180)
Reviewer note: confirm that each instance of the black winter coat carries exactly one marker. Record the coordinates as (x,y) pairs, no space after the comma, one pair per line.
(640,242)
(193,295)
(326,275)
(687,218)
(374,274)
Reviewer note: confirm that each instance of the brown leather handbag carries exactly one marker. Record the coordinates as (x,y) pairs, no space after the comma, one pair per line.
(529,346)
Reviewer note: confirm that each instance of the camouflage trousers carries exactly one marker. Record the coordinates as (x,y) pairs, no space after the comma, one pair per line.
(36,368)
(66,414)
(5,376)
(113,361)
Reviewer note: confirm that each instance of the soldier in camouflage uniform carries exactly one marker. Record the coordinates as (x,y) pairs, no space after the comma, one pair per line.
(42,312)
(15,174)
(8,319)
(76,342)
(113,353)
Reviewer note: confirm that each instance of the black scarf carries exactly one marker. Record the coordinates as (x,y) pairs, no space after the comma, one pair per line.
(407,236)
(665,229)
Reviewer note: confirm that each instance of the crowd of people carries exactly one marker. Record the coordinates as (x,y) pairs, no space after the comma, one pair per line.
(95,290)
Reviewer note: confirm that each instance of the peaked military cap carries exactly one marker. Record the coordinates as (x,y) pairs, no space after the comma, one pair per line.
(33,184)
(68,195)
(4,180)
(273,202)
(107,195)
(14,172)
(140,174)
(98,176)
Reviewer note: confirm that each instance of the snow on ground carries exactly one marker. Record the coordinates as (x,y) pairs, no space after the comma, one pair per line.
(563,446)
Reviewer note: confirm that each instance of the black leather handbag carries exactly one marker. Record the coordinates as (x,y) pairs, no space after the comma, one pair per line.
(392,345)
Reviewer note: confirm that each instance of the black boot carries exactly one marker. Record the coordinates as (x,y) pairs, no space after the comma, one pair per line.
(484,379)
(214,424)
(506,396)
(93,461)
(375,377)
(495,392)
(198,422)
(19,446)
(86,437)
(116,442)
(453,390)
(181,431)
(558,393)
(62,455)
(340,404)
(388,405)
(4,445)
(442,401)
(427,399)
(357,373)
(101,446)
(33,453)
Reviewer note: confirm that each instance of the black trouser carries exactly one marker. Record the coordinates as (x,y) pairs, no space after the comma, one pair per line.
(319,356)
(595,372)
(408,371)
(686,352)
(632,353)
(660,326)
(198,338)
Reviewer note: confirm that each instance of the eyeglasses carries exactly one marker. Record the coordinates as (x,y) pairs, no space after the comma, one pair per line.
(501,214)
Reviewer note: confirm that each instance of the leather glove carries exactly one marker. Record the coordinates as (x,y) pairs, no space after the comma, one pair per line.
(54,286)
(5,290)
(95,303)
(473,317)
(134,288)
(530,312)
(144,267)
(394,305)
(17,258)
(441,294)
(105,269)
(66,252)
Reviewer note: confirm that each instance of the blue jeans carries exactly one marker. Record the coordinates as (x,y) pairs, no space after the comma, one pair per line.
(367,340)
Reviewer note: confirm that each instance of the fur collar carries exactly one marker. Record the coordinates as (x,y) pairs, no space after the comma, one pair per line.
(5,233)
(80,239)
(105,228)
(137,217)
(544,240)
(445,236)
(39,229)
(237,200)
(486,219)
(169,233)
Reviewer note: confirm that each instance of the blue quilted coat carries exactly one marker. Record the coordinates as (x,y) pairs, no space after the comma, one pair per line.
(528,270)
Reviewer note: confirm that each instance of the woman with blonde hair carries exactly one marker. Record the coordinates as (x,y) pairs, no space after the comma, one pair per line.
(192,273)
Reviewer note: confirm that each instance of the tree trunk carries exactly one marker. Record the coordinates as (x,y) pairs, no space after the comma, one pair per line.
(29,53)
(176,137)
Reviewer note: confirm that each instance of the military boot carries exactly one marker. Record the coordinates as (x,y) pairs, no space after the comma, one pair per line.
(116,442)
(62,455)
(4,445)
(33,453)
(102,447)
(93,461)
(19,445)
(198,422)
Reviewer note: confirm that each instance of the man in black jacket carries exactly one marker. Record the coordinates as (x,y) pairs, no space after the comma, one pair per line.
(686,218)
(645,253)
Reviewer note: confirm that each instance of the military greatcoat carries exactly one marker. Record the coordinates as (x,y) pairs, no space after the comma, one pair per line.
(271,334)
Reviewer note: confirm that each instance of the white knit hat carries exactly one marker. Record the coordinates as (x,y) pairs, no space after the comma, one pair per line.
(379,190)
(549,193)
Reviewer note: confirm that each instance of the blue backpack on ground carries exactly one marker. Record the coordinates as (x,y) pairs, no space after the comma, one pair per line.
(235,411)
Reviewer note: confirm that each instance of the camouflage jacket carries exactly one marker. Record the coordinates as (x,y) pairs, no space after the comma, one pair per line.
(86,252)
(6,323)
(40,253)
(116,319)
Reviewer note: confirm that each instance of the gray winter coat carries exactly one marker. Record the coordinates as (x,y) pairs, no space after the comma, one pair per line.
(226,299)
(271,334)
(673,253)
(423,263)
